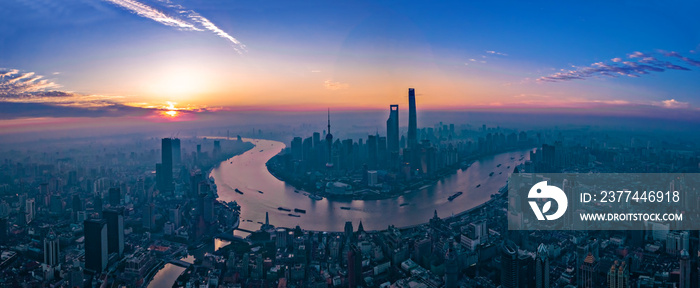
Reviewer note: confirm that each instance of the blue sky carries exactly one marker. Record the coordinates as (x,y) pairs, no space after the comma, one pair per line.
(466,54)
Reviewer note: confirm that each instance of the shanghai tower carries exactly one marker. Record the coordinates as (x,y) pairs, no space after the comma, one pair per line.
(392,129)
(412,133)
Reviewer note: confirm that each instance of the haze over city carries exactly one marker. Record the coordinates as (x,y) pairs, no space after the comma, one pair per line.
(359,144)
(160,61)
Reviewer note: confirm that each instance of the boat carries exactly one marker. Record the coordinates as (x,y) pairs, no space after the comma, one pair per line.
(238,191)
(490,174)
(284,209)
(294,215)
(454,196)
(315,197)
(296,191)
(508,167)
(477,186)
(499,173)
(260,223)
(499,165)
(261,150)
(345,208)
(260,192)
(249,220)
(404,204)
(297,210)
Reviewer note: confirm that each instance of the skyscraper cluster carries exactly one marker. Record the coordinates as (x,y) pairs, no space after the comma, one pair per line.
(404,157)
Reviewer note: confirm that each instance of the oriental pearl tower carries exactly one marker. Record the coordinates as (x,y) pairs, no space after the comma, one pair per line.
(329,141)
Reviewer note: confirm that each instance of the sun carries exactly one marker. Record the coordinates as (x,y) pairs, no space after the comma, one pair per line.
(170,111)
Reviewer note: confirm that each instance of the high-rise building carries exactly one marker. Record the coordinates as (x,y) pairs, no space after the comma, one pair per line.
(76,205)
(98,203)
(3,230)
(281,238)
(619,275)
(329,142)
(451,269)
(95,244)
(208,208)
(542,267)
(392,130)
(296,147)
(354,266)
(412,124)
(589,269)
(217,147)
(56,204)
(177,153)
(76,277)
(348,231)
(114,196)
(685,269)
(175,216)
(509,265)
(29,210)
(115,230)
(148,217)
(166,165)
(195,180)
(51,249)
(372,158)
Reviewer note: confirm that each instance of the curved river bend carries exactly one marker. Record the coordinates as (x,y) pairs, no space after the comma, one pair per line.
(248,173)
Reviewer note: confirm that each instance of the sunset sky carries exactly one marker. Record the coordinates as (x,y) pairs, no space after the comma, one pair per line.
(83,58)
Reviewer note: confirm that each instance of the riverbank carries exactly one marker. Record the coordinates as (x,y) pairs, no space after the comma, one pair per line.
(275,168)
(262,193)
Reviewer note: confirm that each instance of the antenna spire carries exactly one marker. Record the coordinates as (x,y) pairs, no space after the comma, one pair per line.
(329,120)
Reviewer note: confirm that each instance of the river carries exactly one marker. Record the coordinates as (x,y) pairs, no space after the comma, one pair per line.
(168,274)
(248,173)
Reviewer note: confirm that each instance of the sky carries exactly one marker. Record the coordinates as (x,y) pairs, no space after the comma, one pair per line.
(163,60)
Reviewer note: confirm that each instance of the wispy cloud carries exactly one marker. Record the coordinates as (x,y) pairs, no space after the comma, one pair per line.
(330,85)
(638,64)
(192,21)
(679,56)
(238,46)
(154,14)
(26,94)
(672,104)
(14,82)
(496,53)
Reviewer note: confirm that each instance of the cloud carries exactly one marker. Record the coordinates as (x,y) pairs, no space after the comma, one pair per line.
(496,53)
(14,82)
(238,46)
(679,56)
(193,22)
(330,85)
(638,65)
(672,104)
(26,94)
(637,54)
(149,12)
